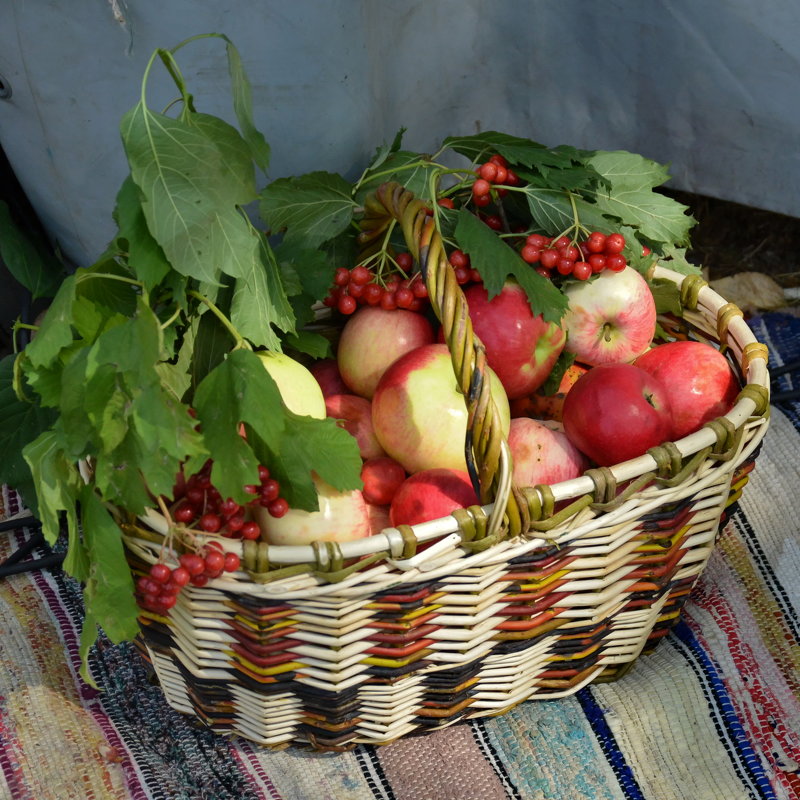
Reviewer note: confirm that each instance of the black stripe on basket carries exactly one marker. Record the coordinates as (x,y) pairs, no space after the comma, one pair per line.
(723,716)
(373,773)
(481,737)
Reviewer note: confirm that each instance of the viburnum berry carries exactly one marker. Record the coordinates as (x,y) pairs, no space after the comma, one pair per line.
(446,202)
(160,572)
(346,304)
(232,562)
(250,530)
(488,171)
(458,258)
(615,244)
(372,294)
(388,300)
(342,276)
(404,297)
(481,188)
(582,270)
(483,200)
(278,508)
(404,261)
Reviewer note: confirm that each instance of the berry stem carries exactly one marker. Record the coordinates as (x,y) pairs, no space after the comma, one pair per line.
(241,342)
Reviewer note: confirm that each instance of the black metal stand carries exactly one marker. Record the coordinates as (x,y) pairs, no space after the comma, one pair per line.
(14,564)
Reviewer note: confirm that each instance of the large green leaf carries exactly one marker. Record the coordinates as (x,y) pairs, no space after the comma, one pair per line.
(243,106)
(313,208)
(630,197)
(260,304)
(20,423)
(496,262)
(28,259)
(194,174)
(145,256)
(55,332)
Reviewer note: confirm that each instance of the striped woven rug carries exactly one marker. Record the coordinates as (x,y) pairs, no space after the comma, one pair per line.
(712,714)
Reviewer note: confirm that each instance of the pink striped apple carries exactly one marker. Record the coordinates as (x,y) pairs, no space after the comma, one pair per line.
(611,319)
(419,413)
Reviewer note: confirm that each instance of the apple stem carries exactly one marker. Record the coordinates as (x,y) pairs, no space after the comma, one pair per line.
(607,332)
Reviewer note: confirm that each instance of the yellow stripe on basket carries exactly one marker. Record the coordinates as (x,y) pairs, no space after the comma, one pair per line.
(397,662)
(673,539)
(736,490)
(546,581)
(418,612)
(284,623)
(289,666)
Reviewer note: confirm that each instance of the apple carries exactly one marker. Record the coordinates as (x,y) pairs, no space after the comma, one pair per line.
(542,454)
(611,319)
(382,477)
(431,494)
(342,517)
(419,413)
(616,412)
(548,406)
(299,389)
(372,339)
(699,381)
(326,371)
(521,348)
(354,414)
(378,518)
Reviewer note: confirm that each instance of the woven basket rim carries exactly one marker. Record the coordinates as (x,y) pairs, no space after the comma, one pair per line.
(391,541)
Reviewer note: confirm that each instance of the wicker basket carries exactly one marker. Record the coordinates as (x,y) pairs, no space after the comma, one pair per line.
(332,645)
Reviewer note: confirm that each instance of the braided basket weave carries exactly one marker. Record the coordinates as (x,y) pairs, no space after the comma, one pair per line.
(332,645)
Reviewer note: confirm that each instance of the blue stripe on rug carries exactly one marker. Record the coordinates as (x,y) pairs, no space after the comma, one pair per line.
(616,760)
(732,732)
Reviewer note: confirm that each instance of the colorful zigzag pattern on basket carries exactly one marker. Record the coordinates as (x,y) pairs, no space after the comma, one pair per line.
(713,713)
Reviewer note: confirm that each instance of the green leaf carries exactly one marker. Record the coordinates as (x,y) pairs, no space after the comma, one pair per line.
(27,259)
(55,478)
(564,361)
(674,258)
(313,208)
(260,302)
(20,423)
(243,107)
(496,262)
(237,390)
(194,175)
(631,197)
(318,446)
(213,342)
(55,332)
(108,591)
(667,296)
(513,148)
(311,267)
(100,285)
(409,169)
(552,211)
(145,256)
(310,343)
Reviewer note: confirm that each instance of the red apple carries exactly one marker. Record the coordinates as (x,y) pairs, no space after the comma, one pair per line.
(372,339)
(616,412)
(378,518)
(326,371)
(611,319)
(699,381)
(521,348)
(548,406)
(419,413)
(382,477)
(342,517)
(542,454)
(355,416)
(431,494)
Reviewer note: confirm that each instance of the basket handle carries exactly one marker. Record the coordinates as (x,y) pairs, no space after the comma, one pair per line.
(487,453)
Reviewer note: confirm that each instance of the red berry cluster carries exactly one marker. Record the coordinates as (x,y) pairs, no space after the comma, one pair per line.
(360,286)
(202,505)
(158,590)
(491,174)
(582,260)
(462,268)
